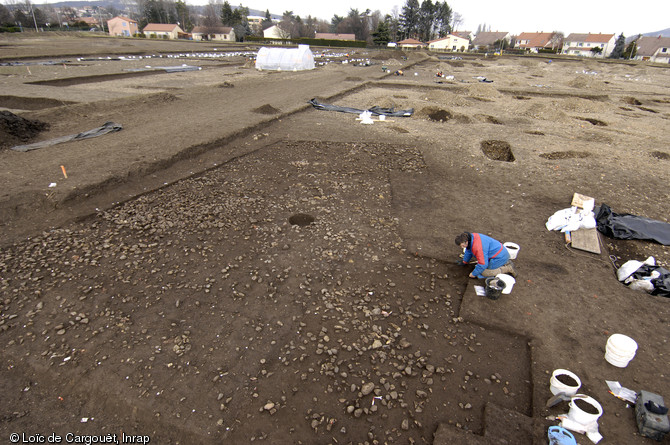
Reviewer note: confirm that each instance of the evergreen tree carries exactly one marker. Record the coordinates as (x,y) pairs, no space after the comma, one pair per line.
(443,19)
(619,47)
(335,22)
(381,36)
(5,16)
(183,15)
(426,20)
(267,21)
(409,18)
(227,14)
(631,49)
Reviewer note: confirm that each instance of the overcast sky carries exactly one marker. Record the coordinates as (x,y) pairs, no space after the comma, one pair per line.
(580,16)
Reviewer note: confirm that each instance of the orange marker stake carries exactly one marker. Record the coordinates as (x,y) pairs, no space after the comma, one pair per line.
(62,167)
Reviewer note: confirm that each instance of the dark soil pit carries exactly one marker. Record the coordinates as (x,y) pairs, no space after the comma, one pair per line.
(437,114)
(631,101)
(660,155)
(498,150)
(69,81)
(479,99)
(661,101)
(626,109)
(31,103)
(266,109)
(570,154)
(226,85)
(399,129)
(593,121)
(301,219)
(399,96)
(648,109)
(14,129)
(522,98)
(488,119)
(535,133)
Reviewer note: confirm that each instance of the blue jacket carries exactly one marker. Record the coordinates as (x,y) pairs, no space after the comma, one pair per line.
(490,253)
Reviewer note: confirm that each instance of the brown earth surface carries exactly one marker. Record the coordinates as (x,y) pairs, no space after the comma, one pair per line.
(236,266)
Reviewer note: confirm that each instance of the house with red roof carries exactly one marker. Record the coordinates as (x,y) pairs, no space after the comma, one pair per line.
(449,43)
(589,45)
(122,26)
(536,41)
(162,31)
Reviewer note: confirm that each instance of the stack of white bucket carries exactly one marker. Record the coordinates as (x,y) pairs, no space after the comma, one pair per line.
(577,419)
(620,350)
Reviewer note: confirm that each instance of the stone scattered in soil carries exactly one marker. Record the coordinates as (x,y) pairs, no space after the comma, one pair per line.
(16,129)
(661,155)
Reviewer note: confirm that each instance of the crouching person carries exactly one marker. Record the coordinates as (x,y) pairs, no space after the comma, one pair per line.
(492,257)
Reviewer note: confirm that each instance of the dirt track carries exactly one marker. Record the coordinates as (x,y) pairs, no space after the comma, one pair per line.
(193,311)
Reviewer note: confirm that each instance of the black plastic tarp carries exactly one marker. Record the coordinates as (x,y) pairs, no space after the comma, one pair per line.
(107,127)
(627,226)
(661,283)
(374,110)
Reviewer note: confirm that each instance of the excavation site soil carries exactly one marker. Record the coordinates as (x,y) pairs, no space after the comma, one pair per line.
(234,265)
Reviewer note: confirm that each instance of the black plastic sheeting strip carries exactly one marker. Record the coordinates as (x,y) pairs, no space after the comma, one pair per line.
(627,226)
(374,110)
(107,127)
(661,283)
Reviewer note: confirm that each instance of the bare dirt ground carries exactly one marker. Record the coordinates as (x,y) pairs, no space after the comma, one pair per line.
(235,266)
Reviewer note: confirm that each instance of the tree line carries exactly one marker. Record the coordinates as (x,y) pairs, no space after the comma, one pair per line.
(423,21)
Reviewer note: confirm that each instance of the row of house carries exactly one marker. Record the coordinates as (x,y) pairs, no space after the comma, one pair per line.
(125,27)
(655,49)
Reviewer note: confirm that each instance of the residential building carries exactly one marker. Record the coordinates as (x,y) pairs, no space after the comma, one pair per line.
(589,45)
(225,33)
(162,31)
(275,32)
(411,44)
(464,35)
(331,36)
(91,21)
(255,22)
(122,26)
(653,49)
(490,40)
(536,41)
(449,43)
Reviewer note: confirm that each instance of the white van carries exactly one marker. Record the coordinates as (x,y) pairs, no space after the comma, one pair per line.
(392,44)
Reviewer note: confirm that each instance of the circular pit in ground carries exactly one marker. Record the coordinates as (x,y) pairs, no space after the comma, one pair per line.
(301,219)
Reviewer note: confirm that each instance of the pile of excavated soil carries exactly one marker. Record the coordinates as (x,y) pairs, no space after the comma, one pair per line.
(15,129)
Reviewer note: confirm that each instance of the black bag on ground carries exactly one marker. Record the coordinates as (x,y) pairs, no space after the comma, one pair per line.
(627,226)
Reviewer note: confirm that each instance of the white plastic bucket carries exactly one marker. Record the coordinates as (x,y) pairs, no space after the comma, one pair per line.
(620,350)
(508,280)
(581,416)
(513,249)
(557,387)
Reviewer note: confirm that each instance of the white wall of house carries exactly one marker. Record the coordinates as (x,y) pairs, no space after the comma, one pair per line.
(449,43)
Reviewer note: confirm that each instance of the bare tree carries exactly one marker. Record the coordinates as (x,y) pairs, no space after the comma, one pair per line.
(456,21)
